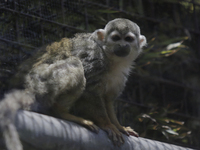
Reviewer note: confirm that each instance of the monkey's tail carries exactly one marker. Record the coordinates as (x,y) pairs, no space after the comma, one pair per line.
(12,102)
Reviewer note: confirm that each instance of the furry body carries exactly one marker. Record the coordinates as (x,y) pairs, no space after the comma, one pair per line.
(84,75)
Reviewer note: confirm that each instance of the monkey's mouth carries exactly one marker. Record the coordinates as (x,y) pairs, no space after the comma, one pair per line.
(121,50)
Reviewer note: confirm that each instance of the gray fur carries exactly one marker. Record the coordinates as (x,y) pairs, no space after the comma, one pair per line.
(123,26)
(82,73)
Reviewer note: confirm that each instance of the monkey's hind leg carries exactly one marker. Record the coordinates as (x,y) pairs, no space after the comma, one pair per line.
(61,111)
(59,85)
(75,85)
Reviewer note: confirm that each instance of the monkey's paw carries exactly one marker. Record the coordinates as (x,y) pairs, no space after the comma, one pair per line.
(114,134)
(128,131)
(90,125)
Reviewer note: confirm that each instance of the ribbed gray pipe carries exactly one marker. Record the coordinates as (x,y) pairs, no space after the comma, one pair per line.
(44,132)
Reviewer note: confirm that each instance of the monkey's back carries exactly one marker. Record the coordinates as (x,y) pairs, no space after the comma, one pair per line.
(93,59)
(56,51)
(46,54)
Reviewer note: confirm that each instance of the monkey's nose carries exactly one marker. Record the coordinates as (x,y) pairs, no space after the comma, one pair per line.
(122,50)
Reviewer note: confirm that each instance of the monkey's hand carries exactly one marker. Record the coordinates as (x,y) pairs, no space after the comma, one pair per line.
(128,131)
(114,134)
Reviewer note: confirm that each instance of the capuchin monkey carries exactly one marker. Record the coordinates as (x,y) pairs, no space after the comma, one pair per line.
(84,74)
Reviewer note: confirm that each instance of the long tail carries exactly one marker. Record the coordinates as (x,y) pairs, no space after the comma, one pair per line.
(12,102)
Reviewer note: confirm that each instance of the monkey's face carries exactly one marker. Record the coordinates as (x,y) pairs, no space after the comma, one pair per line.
(120,39)
(121,44)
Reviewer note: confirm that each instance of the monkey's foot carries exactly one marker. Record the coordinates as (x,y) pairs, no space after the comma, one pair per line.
(114,134)
(90,125)
(128,131)
(86,123)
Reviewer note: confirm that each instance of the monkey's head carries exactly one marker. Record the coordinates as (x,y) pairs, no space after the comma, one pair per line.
(120,39)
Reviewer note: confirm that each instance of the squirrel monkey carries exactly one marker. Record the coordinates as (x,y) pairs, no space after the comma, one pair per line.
(84,74)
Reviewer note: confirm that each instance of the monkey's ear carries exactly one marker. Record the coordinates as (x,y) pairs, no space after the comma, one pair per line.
(99,35)
(143,41)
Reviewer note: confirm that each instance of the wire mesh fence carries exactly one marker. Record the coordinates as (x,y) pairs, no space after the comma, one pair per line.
(167,82)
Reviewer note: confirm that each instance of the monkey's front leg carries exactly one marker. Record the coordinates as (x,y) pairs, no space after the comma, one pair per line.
(113,133)
(111,113)
(91,106)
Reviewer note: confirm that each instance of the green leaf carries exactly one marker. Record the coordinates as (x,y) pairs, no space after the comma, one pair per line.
(174,45)
(169,41)
(149,117)
(177,122)
(171,132)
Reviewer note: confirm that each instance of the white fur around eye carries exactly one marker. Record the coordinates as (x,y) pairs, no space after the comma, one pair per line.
(130,34)
(114,37)
(114,33)
(130,37)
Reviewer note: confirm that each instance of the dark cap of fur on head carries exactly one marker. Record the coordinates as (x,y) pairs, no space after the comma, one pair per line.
(122,26)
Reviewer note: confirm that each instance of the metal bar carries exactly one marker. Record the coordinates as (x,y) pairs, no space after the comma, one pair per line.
(17,43)
(149,107)
(142,17)
(42,19)
(167,82)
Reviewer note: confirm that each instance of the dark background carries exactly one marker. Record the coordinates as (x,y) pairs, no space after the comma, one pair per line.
(162,97)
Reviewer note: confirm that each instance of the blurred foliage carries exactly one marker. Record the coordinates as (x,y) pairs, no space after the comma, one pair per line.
(164,89)
(157,51)
(158,121)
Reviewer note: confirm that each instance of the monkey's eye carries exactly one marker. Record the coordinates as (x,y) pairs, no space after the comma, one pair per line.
(129,39)
(116,38)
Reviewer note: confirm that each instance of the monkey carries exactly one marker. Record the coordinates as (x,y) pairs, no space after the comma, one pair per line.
(78,80)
